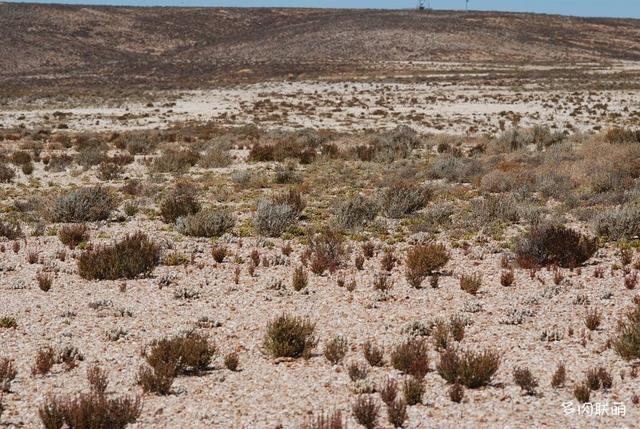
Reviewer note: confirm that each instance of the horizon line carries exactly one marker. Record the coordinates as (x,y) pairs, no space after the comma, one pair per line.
(426,11)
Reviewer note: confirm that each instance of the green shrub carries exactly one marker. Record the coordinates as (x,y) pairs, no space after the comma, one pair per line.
(545,245)
(134,255)
(83,205)
(206,223)
(289,336)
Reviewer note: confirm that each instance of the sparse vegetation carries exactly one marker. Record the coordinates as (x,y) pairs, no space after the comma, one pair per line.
(206,223)
(525,379)
(336,349)
(627,342)
(83,205)
(549,244)
(411,357)
(134,255)
(471,369)
(366,410)
(423,260)
(289,336)
(90,411)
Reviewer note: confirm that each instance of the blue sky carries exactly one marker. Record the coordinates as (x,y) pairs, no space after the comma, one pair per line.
(617,8)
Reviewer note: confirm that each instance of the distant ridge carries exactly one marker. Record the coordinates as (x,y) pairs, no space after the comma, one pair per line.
(166,46)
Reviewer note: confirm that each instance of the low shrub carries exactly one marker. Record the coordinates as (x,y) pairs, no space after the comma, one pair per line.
(545,245)
(355,212)
(216,157)
(373,353)
(176,161)
(289,336)
(11,230)
(328,250)
(219,253)
(389,391)
(470,283)
(413,390)
(90,411)
(582,393)
(326,421)
(336,349)
(182,201)
(525,379)
(45,358)
(231,361)
(293,198)
(287,174)
(422,260)
(456,393)
(272,218)
(156,380)
(7,374)
(366,410)
(357,371)
(455,169)
(109,170)
(83,205)
(45,281)
(627,341)
(402,198)
(472,369)
(206,223)
(593,319)
(134,255)
(187,353)
(622,135)
(8,322)
(559,376)
(97,378)
(411,357)
(299,279)
(72,235)
(6,174)
(619,223)
(397,413)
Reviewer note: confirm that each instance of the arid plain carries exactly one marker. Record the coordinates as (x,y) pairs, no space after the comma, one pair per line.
(288,218)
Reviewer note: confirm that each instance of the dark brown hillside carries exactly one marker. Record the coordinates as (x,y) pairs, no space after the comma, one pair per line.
(85,46)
